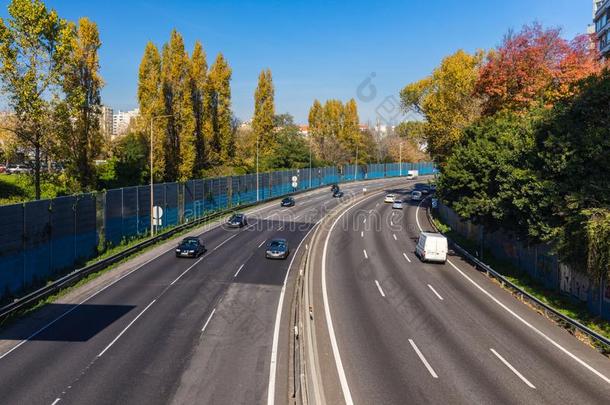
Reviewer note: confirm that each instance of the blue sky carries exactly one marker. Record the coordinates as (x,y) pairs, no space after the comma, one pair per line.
(315,49)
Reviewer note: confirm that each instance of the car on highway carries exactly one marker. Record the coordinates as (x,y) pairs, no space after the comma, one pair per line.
(433,188)
(287,202)
(338,194)
(237,221)
(334,188)
(416,195)
(397,205)
(389,198)
(424,188)
(431,247)
(277,249)
(18,169)
(190,247)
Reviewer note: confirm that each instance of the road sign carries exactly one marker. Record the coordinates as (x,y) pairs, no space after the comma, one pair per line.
(294,184)
(157,215)
(434,202)
(294,179)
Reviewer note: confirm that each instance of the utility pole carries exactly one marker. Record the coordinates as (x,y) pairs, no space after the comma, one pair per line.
(356,167)
(152,206)
(257,192)
(400,159)
(309,136)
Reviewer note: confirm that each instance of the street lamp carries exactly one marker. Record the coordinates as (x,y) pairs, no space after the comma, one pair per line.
(356,167)
(257,192)
(309,136)
(152,218)
(400,159)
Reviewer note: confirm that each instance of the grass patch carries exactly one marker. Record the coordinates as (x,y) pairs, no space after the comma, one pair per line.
(565,305)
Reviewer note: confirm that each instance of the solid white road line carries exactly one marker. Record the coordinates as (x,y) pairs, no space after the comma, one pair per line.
(238,270)
(365,255)
(276,328)
(379,288)
(205,325)
(262,243)
(514,370)
(394,235)
(526,323)
(434,291)
(406,257)
(362,234)
(186,271)
(125,329)
(423,359)
(56,401)
(225,241)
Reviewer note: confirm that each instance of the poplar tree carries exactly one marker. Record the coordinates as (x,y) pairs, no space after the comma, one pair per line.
(264,112)
(79,137)
(150,101)
(219,100)
(315,128)
(351,139)
(199,68)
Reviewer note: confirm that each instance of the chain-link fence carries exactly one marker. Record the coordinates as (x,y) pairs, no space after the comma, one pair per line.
(40,240)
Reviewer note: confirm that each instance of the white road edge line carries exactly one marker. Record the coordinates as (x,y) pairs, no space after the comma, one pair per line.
(56,401)
(514,370)
(434,291)
(365,255)
(423,359)
(205,325)
(526,323)
(186,271)
(225,241)
(276,328)
(379,288)
(238,270)
(406,257)
(125,329)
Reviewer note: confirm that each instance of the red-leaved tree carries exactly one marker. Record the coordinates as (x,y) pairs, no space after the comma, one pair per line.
(535,66)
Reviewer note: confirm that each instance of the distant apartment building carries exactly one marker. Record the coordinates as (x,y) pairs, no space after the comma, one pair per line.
(121,121)
(106,122)
(601,22)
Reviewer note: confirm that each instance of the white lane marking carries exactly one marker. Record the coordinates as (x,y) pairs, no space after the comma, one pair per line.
(276,328)
(186,271)
(365,255)
(526,323)
(56,401)
(364,222)
(394,235)
(347,396)
(125,329)
(406,257)
(379,288)
(362,234)
(281,228)
(225,241)
(423,359)
(262,243)
(434,291)
(514,370)
(205,325)
(370,212)
(238,270)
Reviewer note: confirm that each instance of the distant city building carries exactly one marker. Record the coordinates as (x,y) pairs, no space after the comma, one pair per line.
(106,122)
(304,130)
(601,21)
(121,121)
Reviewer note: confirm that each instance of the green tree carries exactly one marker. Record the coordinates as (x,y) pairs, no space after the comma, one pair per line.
(80,139)
(445,99)
(219,106)
(291,150)
(264,113)
(199,74)
(34,47)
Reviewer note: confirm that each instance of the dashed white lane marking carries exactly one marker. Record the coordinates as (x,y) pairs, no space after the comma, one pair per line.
(262,243)
(225,241)
(394,235)
(125,329)
(406,257)
(362,234)
(365,255)
(434,291)
(379,288)
(514,370)
(205,325)
(186,271)
(238,270)
(423,359)
(56,401)
(364,221)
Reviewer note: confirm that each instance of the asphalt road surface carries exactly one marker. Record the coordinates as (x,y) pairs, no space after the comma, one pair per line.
(394,330)
(173,330)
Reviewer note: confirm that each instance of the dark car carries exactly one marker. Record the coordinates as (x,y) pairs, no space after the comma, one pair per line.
(334,188)
(338,194)
(423,188)
(287,202)
(277,249)
(190,247)
(237,221)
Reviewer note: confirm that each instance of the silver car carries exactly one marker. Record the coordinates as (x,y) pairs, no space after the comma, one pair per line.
(397,205)
(277,249)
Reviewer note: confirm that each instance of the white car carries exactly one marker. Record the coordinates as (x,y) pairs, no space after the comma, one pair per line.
(397,204)
(18,169)
(389,198)
(431,247)
(416,195)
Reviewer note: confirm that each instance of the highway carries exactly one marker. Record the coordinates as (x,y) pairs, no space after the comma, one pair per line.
(389,329)
(170,330)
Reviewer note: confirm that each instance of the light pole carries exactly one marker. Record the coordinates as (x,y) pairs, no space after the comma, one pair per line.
(257,193)
(356,167)
(400,159)
(152,216)
(309,136)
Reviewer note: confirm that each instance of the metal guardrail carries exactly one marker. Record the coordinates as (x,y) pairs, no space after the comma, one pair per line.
(548,310)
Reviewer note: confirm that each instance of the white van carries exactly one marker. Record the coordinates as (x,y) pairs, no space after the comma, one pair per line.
(412,174)
(431,247)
